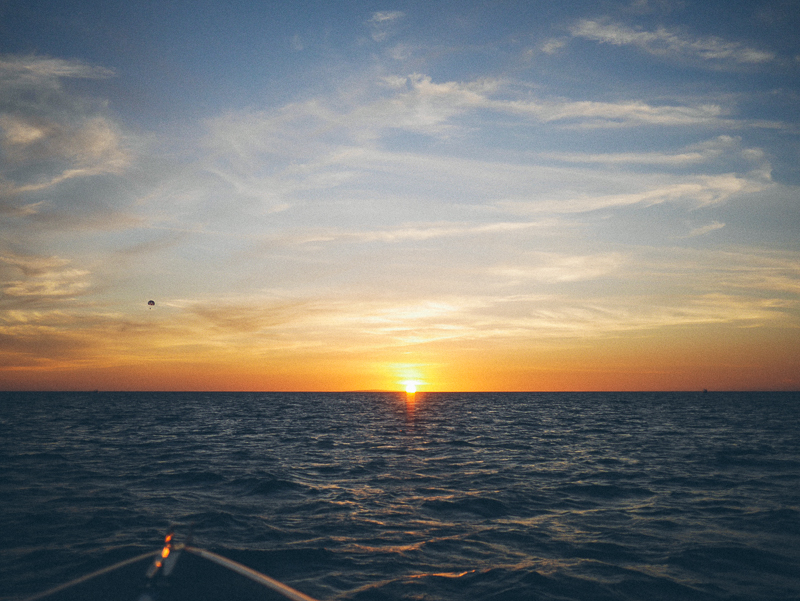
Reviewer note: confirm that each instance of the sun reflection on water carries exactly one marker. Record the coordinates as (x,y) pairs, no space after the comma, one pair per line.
(411,405)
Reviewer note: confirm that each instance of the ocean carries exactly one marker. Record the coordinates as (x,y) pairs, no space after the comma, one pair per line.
(359,496)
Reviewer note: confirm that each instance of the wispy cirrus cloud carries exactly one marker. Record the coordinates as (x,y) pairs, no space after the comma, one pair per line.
(721,147)
(697,191)
(421,103)
(48,135)
(336,146)
(667,43)
(705,229)
(16,70)
(416,103)
(595,114)
(42,277)
(750,290)
(381,22)
(559,267)
(92,146)
(406,233)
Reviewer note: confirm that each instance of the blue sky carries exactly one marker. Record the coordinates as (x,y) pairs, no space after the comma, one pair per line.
(508,195)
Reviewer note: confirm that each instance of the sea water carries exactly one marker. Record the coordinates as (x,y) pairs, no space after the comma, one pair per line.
(590,496)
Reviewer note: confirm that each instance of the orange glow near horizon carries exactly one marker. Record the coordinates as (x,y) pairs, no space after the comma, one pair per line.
(715,357)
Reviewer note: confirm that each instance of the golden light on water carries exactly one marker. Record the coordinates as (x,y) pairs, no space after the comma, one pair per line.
(411,400)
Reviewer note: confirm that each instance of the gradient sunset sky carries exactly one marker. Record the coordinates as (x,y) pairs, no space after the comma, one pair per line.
(510,195)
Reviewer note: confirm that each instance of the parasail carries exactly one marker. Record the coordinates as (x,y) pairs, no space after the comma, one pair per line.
(151,303)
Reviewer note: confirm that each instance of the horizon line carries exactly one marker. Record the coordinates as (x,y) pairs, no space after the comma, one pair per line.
(398,391)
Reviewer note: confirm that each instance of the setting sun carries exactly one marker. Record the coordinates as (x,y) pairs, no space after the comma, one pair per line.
(411,388)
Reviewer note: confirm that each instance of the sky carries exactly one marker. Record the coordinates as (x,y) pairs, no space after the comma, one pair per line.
(468,196)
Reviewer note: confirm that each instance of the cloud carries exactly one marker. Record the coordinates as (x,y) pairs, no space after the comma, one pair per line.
(726,148)
(33,265)
(503,305)
(607,306)
(553,45)
(415,103)
(385,16)
(588,113)
(44,277)
(554,267)
(380,23)
(663,42)
(18,71)
(630,158)
(238,317)
(40,342)
(426,105)
(697,191)
(406,233)
(772,276)
(92,146)
(49,136)
(64,283)
(705,229)
(421,104)
(339,145)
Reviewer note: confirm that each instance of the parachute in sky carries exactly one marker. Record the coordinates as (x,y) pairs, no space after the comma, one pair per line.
(151,303)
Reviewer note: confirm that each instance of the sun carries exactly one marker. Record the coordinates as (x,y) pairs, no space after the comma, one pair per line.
(411,388)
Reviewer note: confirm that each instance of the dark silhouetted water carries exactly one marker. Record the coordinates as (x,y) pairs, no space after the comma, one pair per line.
(457,496)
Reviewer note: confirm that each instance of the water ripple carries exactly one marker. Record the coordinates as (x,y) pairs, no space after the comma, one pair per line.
(358,496)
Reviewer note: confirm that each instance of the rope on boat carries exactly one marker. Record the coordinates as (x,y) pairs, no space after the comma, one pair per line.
(71,583)
(252,574)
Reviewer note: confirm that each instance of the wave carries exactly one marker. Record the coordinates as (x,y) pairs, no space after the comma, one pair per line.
(615,497)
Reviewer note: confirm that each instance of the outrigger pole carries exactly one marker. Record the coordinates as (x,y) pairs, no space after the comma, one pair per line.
(77,581)
(252,574)
(164,563)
